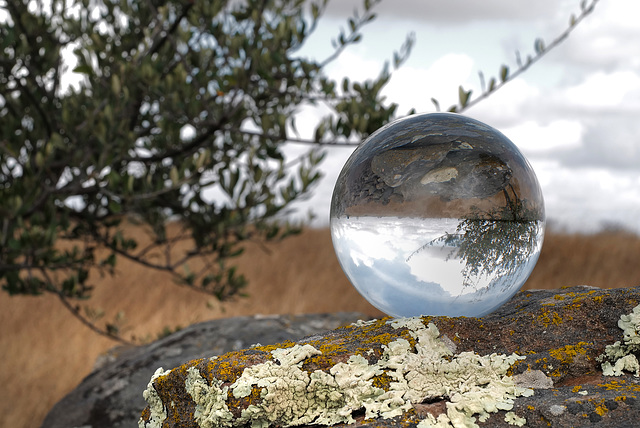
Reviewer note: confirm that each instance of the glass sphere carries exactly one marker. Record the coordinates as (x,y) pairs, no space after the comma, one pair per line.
(437,214)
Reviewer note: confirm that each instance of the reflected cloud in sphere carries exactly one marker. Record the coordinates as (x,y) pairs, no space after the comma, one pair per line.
(437,214)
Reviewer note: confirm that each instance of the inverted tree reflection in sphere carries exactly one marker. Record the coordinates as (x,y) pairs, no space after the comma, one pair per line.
(437,214)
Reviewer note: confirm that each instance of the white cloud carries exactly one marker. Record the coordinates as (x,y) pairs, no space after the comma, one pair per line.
(508,106)
(453,11)
(574,114)
(356,64)
(587,199)
(605,40)
(612,142)
(412,87)
(535,139)
(616,90)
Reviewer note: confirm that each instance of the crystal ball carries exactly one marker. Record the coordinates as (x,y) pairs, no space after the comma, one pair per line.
(437,214)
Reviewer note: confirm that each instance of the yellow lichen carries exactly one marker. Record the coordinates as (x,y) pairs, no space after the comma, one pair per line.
(601,409)
(282,388)
(567,353)
(620,386)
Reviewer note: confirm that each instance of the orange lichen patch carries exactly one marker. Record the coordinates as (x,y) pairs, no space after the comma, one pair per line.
(386,338)
(381,339)
(559,297)
(548,317)
(601,409)
(332,353)
(620,385)
(162,381)
(382,381)
(375,333)
(579,297)
(244,402)
(269,348)
(567,353)
(231,367)
(576,388)
(146,414)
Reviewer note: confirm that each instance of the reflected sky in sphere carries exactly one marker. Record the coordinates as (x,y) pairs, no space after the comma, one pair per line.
(437,214)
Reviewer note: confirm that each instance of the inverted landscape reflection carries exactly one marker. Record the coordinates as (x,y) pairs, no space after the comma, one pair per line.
(437,214)
(407,266)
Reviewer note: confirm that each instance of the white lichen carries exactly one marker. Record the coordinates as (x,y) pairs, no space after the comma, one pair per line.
(513,419)
(620,357)
(157,411)
(627,363)
(474,385)
(291,396)
(363,323)
(211,407)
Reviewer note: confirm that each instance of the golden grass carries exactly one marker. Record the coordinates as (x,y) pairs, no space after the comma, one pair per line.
(45,352)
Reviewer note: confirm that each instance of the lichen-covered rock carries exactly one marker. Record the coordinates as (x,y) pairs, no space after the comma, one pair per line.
(111,397)
(538,361)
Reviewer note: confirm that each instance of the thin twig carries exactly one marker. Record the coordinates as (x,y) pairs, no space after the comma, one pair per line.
(524,67)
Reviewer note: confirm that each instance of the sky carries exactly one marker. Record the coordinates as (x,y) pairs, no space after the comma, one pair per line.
(575,114)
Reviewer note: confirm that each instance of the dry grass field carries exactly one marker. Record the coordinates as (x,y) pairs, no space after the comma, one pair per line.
(45,352)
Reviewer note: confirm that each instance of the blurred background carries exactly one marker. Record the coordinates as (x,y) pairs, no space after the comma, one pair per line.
(574,116)
(46,352)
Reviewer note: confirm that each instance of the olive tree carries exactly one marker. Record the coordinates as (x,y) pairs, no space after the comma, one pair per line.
(181,113)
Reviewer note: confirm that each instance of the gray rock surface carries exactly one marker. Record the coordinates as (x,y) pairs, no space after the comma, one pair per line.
(559,338)
(111,396)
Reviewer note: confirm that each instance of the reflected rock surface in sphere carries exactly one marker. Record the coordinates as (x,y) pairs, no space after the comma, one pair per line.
(437,214)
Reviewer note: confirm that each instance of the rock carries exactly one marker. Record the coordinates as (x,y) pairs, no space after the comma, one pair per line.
(536,361)
(111,396)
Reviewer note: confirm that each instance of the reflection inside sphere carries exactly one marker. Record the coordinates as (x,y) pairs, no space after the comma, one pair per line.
(437,214)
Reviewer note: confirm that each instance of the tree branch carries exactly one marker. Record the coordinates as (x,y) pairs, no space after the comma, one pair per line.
(541,51)
(334,143)
(76,313)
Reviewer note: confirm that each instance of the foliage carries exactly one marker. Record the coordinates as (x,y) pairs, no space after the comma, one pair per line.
(181,114)
(505,75)
(179,101)
(495,244)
